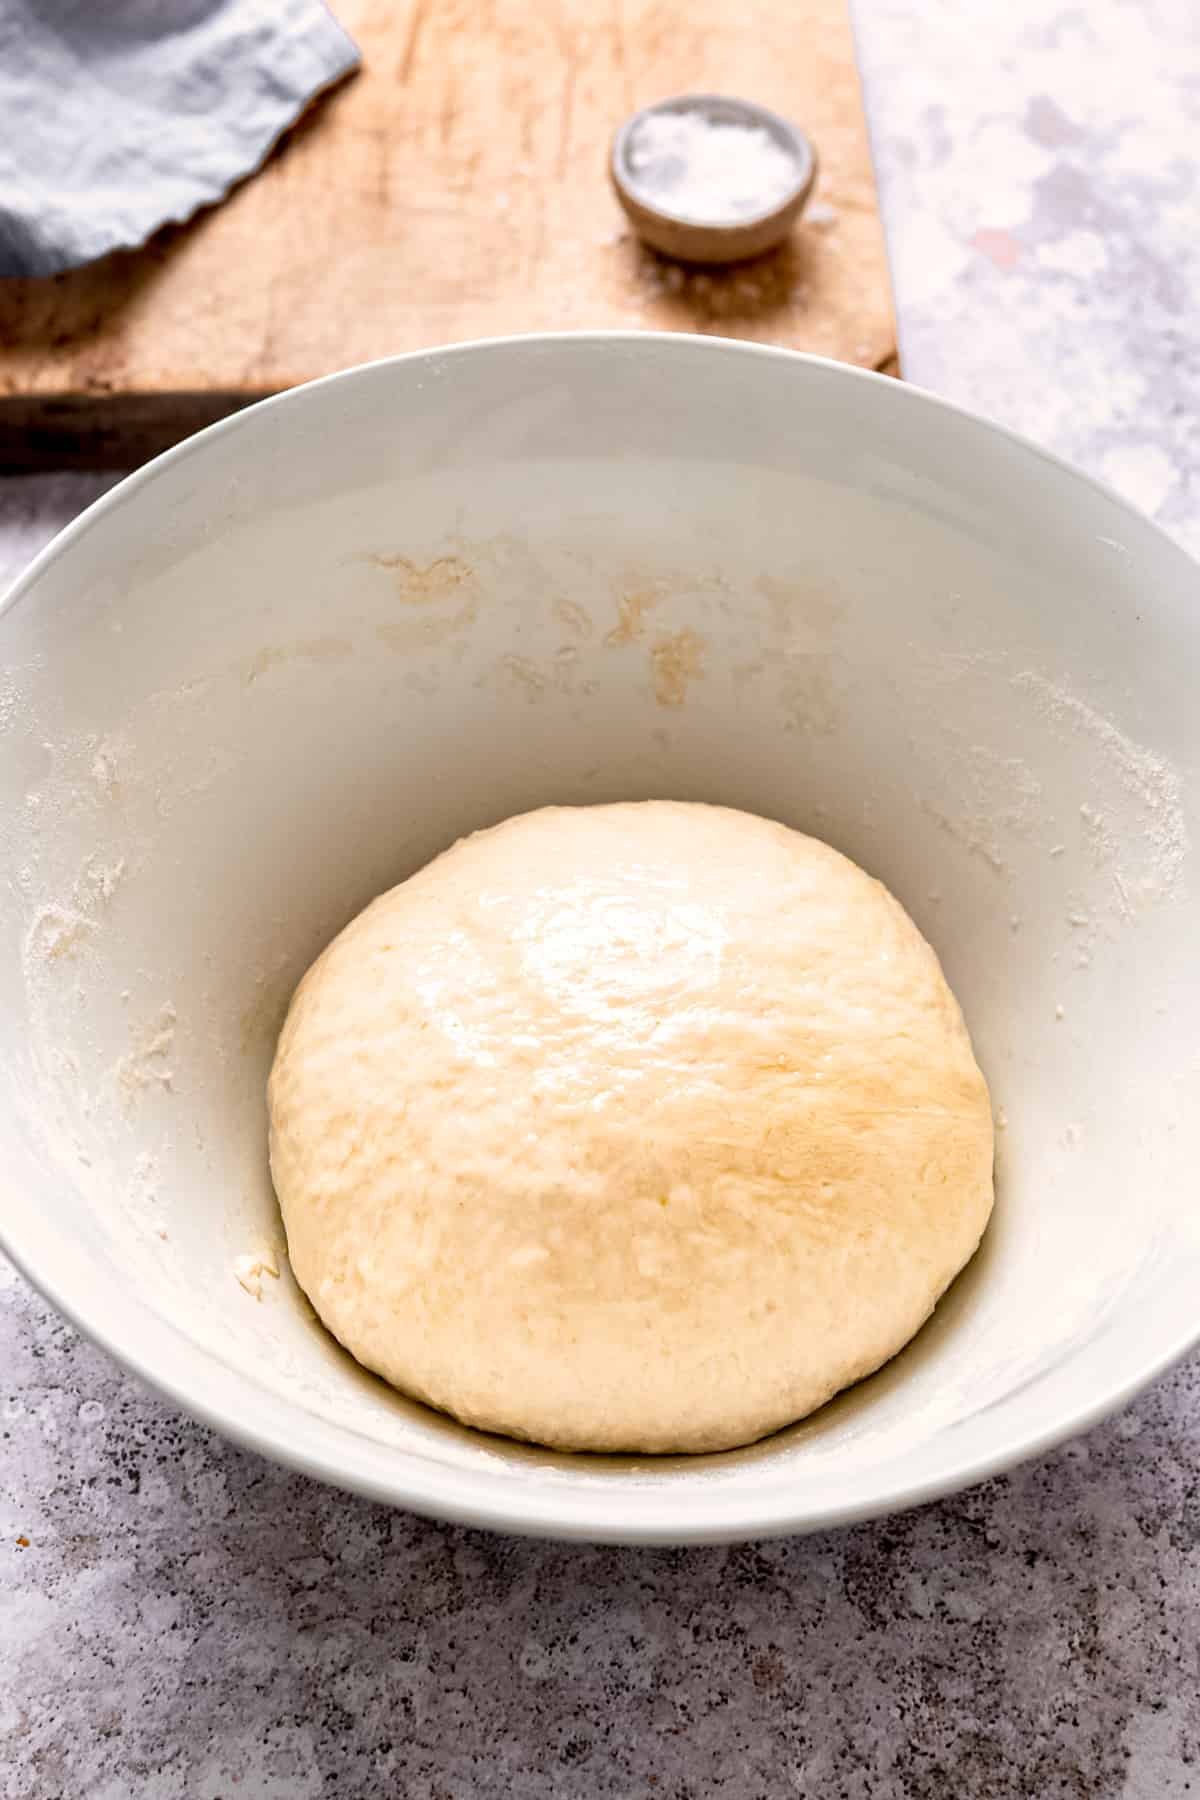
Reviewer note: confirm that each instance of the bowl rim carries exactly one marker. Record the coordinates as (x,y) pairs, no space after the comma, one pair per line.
(196,1380)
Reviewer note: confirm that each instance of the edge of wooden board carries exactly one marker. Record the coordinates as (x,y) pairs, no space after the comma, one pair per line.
(41,433)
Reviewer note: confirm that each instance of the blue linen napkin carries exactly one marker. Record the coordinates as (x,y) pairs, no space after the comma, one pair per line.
(118,116)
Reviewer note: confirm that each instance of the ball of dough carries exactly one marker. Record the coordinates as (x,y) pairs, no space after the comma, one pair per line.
(642,1127)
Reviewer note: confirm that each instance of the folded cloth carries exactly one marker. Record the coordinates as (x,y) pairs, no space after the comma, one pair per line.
(118,116)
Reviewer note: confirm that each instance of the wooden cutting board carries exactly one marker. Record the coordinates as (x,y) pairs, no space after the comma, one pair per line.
(455,188)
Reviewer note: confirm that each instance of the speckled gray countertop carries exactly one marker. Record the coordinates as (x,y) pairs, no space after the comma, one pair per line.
(187,1620)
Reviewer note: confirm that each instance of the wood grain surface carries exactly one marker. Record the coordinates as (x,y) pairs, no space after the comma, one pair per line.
(456,188)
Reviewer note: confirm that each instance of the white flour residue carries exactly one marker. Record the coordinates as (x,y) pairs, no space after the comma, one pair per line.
(10,704)
(975,840)
(57,931)
(108,758)
(1003,800)
(60,929)
(142,1196)
(103,878)
(250,1269)
(1145,778)
(148,1065)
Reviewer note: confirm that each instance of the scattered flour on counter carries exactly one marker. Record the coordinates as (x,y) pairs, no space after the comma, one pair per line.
(822,215)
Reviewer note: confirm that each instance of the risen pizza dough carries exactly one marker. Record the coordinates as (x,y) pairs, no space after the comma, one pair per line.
(641,1127)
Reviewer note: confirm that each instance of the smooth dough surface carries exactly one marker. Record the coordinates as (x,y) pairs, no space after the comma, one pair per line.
(643,1127)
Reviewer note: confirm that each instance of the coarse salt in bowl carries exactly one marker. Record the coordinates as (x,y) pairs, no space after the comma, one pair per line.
(708,178)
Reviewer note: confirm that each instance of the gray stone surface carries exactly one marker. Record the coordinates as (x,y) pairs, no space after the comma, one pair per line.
(187,1620)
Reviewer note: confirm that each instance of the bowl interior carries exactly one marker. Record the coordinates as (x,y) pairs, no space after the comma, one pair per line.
(283,667)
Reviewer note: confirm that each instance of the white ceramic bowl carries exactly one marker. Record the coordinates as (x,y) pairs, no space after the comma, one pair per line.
(279,668)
